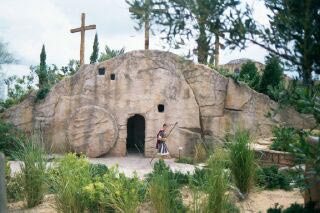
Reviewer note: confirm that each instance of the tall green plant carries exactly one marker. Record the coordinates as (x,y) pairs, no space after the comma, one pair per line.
(164,190)
(217,183)
(33,169)
(95,52)
(242,160)
(72,175)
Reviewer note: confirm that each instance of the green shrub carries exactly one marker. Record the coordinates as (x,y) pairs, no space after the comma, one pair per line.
(198,178)
(164,190)
(33,170)
(294,208)
(68,181)
(11,139)
(178,177)
(271,178)
(15,188)
(97,170)
(242,162)
(42,93)
(122,192)
(285,139)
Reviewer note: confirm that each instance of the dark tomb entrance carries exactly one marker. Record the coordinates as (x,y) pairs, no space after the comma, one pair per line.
(135,134)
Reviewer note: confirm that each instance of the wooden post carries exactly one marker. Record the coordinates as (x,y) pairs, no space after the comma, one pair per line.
(82,30)
(3,192)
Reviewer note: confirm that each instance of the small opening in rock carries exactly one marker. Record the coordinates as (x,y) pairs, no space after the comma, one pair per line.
(113,76)
(102,71)
(160,108)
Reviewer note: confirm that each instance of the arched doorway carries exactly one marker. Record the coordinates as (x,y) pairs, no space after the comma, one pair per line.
(135,134)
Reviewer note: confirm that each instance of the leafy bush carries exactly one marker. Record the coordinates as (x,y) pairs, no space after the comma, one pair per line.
(15,189)
(11,139)
(271,178)
(33,170)
(242,160)
(122,192)
(164,189)
(294,208)
(178,177)
(42,93)
(98,170)
(72,174)
(285,138)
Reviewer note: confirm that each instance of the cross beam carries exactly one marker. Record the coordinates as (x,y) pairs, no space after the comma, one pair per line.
(82,30)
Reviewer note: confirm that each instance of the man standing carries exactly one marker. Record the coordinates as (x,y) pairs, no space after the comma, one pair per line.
(161,141)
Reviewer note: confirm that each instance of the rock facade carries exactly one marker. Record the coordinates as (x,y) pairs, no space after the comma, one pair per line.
(88,112)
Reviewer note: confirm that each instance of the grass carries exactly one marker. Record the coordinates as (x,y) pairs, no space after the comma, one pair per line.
(217,183)
(33,170)
(242,162)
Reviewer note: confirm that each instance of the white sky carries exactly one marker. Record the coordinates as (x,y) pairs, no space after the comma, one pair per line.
(27,24)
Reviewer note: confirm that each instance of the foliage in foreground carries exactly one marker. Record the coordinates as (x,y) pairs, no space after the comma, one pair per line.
(163,189)
(293,208)
(217,183)
(242,160)
(11,139)
(33,170)
(70,176)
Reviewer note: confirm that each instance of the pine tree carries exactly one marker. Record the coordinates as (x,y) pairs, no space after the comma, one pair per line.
(272,74)
(42,71)
(95,52)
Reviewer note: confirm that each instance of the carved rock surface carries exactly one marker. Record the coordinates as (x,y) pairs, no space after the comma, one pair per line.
(89,111)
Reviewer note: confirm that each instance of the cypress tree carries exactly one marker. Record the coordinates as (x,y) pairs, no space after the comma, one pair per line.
(42,72)
(272,74)
(95,52)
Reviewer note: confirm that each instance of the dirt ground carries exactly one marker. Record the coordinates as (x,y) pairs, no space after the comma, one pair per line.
(258,201)
(262,200)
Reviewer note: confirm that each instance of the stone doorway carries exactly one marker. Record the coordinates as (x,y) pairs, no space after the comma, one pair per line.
(136,134)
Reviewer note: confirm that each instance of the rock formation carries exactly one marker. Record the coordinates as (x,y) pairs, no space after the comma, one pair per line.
(88,112)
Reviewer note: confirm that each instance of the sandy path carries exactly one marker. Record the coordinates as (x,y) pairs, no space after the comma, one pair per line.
(128,165)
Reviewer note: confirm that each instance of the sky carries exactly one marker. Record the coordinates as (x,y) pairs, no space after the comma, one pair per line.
(26,25)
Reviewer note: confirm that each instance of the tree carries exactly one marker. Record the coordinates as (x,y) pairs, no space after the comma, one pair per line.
(110,53)
(272,74)
(41,71)
(249,74)
(5,56)
(145,12)
(293,34)
(95,52)
(204,19)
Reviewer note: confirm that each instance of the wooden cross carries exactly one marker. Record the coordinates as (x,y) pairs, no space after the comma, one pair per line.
(82,29)
(146,11)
